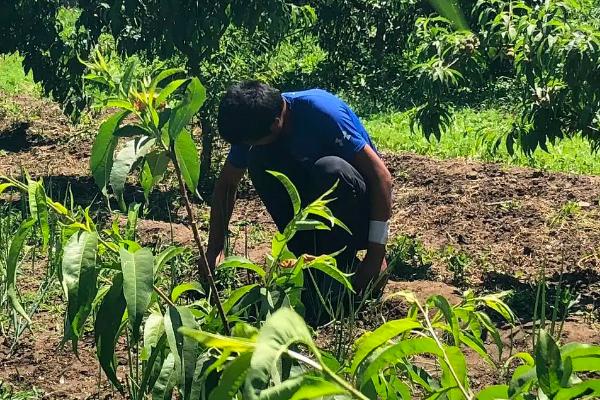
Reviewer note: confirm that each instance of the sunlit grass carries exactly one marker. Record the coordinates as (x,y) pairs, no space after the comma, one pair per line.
(472,135)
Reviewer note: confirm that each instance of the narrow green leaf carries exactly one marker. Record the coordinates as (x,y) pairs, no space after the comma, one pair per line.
(138,283)
(127,77)
(184,348)
(238,345)
(188,160)
(182,114)
(236,296)
(168,90)
(327,265)
(243,263)
(108,327)
(495,392)
(120,103)
(154,328)
(290,189)
(281,330)
(79,281)
(126,157)
(163,388)
(232,378)
(186,287)
(155,166)
(442,304)
(370,341)
(164,75)
(130,131)
(589,389)
(165,256)
(394,353)
(38,208)
(101,159)
(16,244)
(302,387)
(548,363)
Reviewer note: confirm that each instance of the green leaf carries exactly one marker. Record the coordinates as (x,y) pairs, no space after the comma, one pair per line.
(584,357)
(183,347)
(236,295)
(130,131)
(394,353)
(162,76)
(186,287)
(282,329)
(155,166)
(163,388)
(38,207)
(182,114)
(495,392)
(290,189)
(588,389)
(442,304)
(125,105)
(154,328)
(548,363)
(127,77)
(165,256)
(16,244)
(232,378)
(327,265)
(101,160)
(138,282)
(126,157)
(238,345)
(107,328)
(243,263)
(79,280)
(188,160)
(301,388)
(168,90)
(370,341)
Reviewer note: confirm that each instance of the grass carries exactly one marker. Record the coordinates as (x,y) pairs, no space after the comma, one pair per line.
(471,136)
(14,80)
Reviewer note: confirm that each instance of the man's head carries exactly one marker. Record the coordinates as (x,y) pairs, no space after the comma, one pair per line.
(251,112)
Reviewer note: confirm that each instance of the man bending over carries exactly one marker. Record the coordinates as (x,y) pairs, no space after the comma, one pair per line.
(315,139)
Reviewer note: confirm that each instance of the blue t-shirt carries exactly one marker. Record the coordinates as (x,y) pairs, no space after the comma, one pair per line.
(322,125)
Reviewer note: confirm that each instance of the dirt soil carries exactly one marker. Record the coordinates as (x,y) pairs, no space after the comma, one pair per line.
(511,223)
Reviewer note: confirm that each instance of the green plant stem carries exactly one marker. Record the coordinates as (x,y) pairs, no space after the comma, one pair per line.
(464,391)
(203,267)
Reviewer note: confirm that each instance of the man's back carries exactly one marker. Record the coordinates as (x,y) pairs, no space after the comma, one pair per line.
(321,125)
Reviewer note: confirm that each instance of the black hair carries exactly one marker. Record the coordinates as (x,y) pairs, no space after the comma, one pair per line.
(247,111)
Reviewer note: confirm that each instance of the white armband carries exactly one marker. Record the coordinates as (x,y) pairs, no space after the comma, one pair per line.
(378,231)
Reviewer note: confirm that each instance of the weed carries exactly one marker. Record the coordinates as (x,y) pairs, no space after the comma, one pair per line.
(457,262)
(9,393)
(408,259)
(568,211)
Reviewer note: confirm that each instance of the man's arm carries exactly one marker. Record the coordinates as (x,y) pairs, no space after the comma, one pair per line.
(379,185)
(223,201)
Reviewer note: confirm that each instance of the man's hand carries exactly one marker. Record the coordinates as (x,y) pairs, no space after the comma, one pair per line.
(379,184)
(371,269)
(220,211)
(214,258)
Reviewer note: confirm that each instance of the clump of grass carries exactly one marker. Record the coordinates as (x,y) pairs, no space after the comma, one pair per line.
(568,211)
(473,134)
